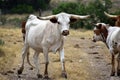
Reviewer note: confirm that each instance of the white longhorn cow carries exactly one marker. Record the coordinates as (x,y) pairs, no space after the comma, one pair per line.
(111,37)
(46,34)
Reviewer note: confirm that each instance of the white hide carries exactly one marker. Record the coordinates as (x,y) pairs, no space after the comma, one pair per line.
(43,33)
(113,36)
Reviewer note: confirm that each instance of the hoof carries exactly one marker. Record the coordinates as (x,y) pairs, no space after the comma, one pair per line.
(19,71)
(64,75)
(112,74)
(39,76)
(46,77)
(118,73)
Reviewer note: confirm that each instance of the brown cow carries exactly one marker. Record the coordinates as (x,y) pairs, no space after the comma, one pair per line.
(115,17)
(110,36)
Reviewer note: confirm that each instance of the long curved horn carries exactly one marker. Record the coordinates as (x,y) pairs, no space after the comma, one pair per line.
(47,17)
(109,15)
(80,17)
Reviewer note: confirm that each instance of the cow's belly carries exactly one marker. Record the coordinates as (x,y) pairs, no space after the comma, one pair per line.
(35,46)
(52,48)
(55,47)
(34,43)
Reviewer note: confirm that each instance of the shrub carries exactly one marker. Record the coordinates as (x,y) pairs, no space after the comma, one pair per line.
(15,21)
(3,20)
(22,8)
(2,42)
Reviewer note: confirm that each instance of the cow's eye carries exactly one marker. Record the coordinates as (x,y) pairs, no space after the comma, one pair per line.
(58,22)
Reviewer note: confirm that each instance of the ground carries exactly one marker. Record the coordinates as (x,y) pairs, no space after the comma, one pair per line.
(84,59)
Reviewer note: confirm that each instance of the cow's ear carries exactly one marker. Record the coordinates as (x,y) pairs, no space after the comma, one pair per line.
(53,20)
(72,19)
(99,26)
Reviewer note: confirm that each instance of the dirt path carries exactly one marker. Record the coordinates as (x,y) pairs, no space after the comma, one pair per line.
(85,60)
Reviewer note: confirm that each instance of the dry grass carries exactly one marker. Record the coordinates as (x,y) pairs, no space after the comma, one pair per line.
(10,49)
(75,67)
(76,59)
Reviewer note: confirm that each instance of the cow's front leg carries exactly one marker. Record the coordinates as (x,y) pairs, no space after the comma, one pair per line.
(45,51)
(36,62)
(64,74)
(113,65)
(118,66)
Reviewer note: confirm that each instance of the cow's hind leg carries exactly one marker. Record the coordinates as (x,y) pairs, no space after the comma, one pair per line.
(28,60)
(36,62)
(24,53)
(64,74)
(118,66)
(113,65)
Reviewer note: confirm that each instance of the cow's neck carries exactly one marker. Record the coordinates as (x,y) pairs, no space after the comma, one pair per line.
(104,34)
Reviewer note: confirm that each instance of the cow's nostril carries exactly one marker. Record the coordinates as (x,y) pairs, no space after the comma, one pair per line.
(65,32)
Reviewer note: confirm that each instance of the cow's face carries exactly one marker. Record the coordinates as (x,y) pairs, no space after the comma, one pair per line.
(97,36)
(100,32)
(63,20)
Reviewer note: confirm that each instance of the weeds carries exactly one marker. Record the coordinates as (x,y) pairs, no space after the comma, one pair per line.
(2,42)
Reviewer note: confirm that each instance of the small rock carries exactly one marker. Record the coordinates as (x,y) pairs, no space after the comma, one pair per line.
(76,46)
(71,61)
(92,47)
(14,43)
(31,68)
(3,73)
(93,53)
(10,71)
(97,57)
(82,38)
(14,68)
(19,40)
(108,64)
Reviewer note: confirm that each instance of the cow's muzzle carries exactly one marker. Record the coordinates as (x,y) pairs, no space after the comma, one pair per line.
(65,32)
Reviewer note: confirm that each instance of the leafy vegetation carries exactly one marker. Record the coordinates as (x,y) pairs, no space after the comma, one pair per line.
(2,42)
(23,6)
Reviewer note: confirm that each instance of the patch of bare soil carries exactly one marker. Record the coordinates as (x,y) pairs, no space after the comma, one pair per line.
(99,59)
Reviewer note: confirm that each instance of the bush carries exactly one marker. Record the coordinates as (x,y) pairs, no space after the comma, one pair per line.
(66,7)
(3,20)
(15,21)
(22,8)
(95,9)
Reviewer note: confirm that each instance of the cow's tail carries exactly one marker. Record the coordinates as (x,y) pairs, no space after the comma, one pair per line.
(23,29)
(28,60)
